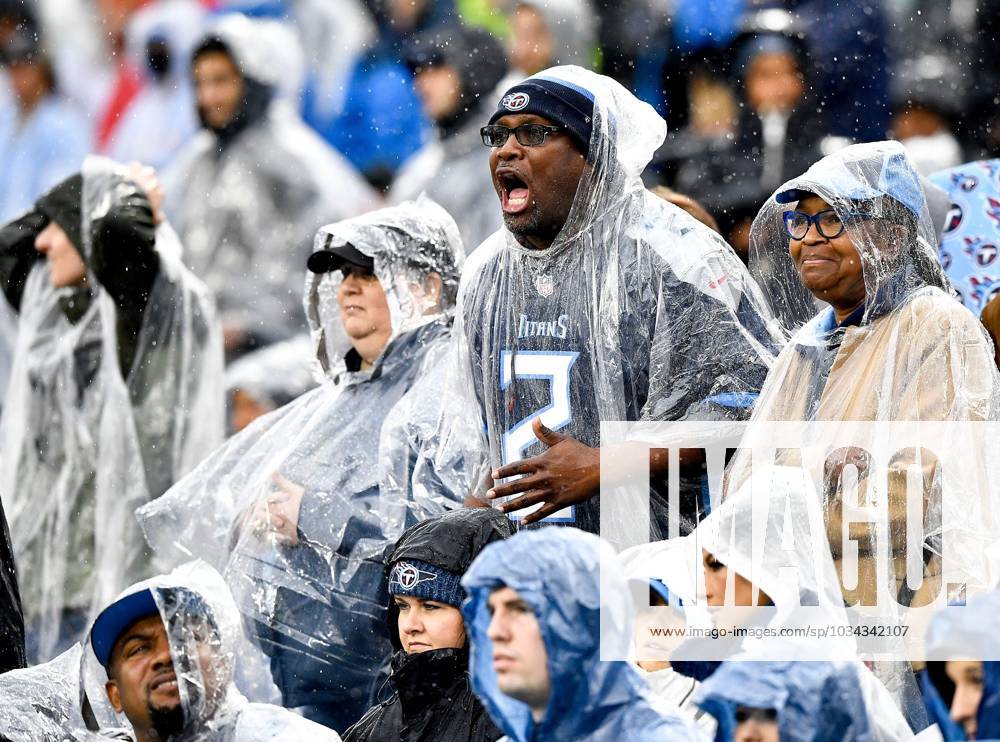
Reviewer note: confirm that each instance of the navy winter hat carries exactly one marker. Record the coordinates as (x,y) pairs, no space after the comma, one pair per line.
(562,104)
(422,580)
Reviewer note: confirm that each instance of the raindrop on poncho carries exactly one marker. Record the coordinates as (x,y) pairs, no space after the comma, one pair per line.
(206,645)
(356,446)
(85,440)
(635,312)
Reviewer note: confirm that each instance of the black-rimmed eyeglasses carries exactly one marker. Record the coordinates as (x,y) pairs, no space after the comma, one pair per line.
(527,135)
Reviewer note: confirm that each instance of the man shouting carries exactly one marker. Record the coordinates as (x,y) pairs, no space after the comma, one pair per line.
(596,302)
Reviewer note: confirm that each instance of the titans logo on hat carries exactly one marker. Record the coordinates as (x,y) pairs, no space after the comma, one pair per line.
(515,101)
(408,576)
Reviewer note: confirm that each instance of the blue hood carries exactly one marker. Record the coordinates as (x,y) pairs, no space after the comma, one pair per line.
(557,571)
(972,631)
(815,701)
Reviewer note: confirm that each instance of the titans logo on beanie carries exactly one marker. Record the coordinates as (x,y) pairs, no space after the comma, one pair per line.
(564,105)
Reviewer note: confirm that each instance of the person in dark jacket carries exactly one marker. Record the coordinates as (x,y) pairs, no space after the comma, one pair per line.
(778,135)
(11,618)
(433,699)
(456,70)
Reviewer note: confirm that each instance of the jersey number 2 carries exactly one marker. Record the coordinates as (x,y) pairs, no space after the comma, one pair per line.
(555,368)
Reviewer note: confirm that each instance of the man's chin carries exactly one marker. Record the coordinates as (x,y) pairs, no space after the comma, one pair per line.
(166,706)
(167,720)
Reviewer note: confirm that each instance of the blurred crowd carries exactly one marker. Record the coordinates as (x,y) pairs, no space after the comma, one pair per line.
(752,90)
(313,309)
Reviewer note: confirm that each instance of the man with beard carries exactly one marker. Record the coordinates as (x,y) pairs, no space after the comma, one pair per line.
(169,646)
(597,302)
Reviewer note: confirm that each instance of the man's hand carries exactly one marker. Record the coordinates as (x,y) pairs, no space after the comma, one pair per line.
(145,176)
(277,514)
(566,474)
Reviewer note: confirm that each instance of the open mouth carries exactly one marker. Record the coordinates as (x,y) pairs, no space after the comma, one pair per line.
(165,683)
(515,193)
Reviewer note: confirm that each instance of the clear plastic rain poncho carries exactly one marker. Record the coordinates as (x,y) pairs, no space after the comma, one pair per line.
(354,445)
(82,446)
(42,703)
(771,533)
(273,376)
(207,646)
(635,312)
(246,207)
(910,353)
(934,359)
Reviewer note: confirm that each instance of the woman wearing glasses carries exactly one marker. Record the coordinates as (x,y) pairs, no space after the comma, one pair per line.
(850,243)
(852,238)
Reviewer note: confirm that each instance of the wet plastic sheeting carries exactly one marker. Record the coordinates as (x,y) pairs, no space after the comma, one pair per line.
(355,447)
(636,311)
(83,446)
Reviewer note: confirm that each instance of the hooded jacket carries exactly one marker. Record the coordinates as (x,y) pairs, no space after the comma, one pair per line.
(815,701)
(570,580)
(318,605)
(453,169)
(161,118)
(635,312)
(966,632)
(771,529)
(115,393)
(247,199)
(433,698)
(767,150)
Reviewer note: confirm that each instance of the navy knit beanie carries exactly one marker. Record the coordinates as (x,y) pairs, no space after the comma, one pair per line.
(563,105)
(417,579)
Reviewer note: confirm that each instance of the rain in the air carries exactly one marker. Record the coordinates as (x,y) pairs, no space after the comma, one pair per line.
(476,370)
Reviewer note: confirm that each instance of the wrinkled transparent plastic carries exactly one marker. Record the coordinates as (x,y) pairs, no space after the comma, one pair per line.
(82,451)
